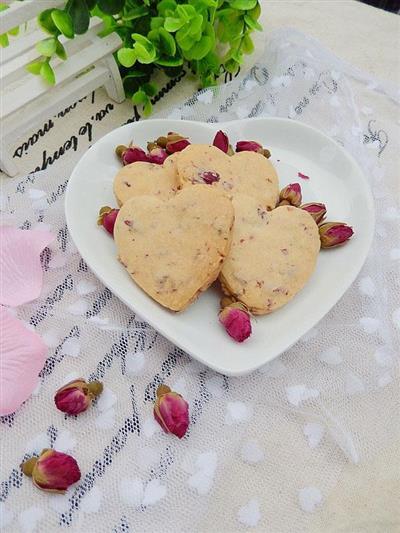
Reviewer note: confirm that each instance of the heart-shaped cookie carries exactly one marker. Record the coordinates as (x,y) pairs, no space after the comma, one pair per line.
(142,178)
(272,256)
(242,173)
(174,249)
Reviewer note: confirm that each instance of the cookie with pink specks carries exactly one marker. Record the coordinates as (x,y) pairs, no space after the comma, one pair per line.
(272,256)
(247,173)
(142,178)
(174,249)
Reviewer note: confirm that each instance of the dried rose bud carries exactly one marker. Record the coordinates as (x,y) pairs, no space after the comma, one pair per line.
(236,320)
(134,154)
(107,217)
(76,396)
(221,141)
(53,471)
(334,233)
(248,146)
(162,142)
(266,153)
(171,411)
(291,194)
(151,145)
(157,155)
(227,300)
(177,146)
(120,150)
(316,210)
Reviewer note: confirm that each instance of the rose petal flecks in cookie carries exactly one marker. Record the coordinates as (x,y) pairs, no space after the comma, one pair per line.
(141,178)
(272,256)
(242,173)
(174,249)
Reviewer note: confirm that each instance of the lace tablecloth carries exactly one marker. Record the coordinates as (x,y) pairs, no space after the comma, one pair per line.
(308,443)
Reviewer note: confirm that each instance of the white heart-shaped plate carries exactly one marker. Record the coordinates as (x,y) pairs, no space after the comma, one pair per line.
(335,179)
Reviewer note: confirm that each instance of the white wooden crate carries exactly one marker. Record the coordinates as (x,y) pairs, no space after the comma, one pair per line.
(26,99)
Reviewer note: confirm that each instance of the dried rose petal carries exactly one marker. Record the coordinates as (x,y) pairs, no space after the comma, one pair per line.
(334,233)
(248,146)
(53,471)
(303,176)
(177,146)
(107,217)
(76,396)
(209,176)
(157,155)
(171,411)
(291,194)
(221,141)
(316,210)
(134,154)
(236,320)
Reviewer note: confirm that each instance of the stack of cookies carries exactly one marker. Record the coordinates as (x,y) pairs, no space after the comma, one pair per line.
(203,215)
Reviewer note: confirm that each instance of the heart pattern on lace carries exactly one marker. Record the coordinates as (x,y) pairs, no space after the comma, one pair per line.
(202,469)
(249,514)
(133,492)
(237,412)
(251,452)
(310,498)
(300,393)
(314,433)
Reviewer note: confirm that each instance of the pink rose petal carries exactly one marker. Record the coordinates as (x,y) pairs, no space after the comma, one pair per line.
(22,356)
(21,271)
(303,176)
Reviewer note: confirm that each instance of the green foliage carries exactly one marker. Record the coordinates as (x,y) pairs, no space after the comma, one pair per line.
(47,47)
(4,41)
(164,35)
(80,15)
(63,22)
(47,73)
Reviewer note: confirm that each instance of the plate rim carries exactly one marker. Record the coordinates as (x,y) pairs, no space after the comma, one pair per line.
(360,259)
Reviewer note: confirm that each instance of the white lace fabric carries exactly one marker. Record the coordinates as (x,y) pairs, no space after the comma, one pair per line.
(288,448)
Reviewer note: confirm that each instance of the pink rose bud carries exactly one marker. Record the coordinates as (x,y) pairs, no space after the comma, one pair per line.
(157,156)
(291,194)
(177,146)
(171,411)
(236,320)
(52,471)
(107,217)
(134,154)
(76,396)
(316,210)
(221,141)
(334,233)
(248,146)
